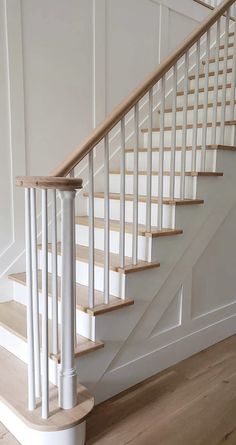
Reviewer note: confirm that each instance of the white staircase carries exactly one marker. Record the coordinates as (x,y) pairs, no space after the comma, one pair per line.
(102,283)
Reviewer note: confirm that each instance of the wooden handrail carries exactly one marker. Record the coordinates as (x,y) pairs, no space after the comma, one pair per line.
(119,112)
(49,182)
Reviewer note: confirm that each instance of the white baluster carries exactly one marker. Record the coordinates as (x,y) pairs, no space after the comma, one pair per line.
(205,103)
(45,349)
(34,250)
(216,83)
(68,373)
(185,117)
(106,223)
(149,164)
(55,347)
(225,65)
(161,154)
(30,326)
(195,111)
(232,98)
(122,195)
(173,134)
(135,185)
(91,230)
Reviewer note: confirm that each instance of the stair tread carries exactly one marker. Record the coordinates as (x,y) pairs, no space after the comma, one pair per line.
(200,106)
(115,225)
(81,295)
(82,254)
(13,316)
(168,201)
(201,90)
(167,173)
(189,126)
(210,74)
(189,148)
(15,395)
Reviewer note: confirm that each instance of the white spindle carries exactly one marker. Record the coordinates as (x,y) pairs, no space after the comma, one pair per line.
(91,230)
(122,195)
(216,83)
(45,350)
(68,373)
(34,259)
(185,121)
(173,134)
(205,103)
(149,164)
(225,65)
(195,111)
(161,154)
(232,96)
(30,325)
(135,185)
(106,222)
(55,346)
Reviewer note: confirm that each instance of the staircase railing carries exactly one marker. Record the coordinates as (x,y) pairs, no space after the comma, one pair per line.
(217,98)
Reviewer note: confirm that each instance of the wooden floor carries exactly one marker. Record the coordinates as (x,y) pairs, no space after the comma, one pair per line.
(192,403)
(6,438)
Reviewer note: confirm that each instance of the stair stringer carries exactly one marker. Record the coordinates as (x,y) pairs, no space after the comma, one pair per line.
(199,224)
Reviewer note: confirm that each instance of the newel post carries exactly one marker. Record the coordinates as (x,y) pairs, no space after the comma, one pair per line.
(68,373)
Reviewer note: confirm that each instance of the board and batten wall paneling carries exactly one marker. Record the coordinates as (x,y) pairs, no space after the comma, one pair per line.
(63,66)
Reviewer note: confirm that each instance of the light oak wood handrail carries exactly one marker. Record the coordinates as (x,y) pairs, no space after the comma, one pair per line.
(49,182)
(206,5)
(119,112)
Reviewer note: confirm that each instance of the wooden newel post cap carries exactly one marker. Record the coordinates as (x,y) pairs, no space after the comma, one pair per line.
(49,182)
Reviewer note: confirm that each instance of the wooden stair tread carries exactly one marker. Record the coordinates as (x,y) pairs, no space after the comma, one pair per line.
(82,254)
(166,201)
(200,107)
(201,90)
(189,126)
(115,226)
(13,317)
(210,74)
(230,45)
(81,295)
(167,173)
(14,394)
(189,148)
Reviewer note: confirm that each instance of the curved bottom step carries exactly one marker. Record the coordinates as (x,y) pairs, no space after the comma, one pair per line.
(63,427)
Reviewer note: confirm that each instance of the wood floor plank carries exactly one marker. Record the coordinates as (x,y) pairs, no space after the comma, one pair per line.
(191,403)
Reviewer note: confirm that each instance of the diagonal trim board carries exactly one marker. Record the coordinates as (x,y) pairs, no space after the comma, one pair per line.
(172,315)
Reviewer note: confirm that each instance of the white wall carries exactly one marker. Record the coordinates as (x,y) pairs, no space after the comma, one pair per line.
(63,65)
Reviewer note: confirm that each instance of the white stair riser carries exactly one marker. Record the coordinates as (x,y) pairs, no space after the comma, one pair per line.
(211,80)
(179,137)
(85,322)
(179,115)
(115,185)
(211,96)
(82,238)
(168,212)
(82,275)
(210,155)
(18,347)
